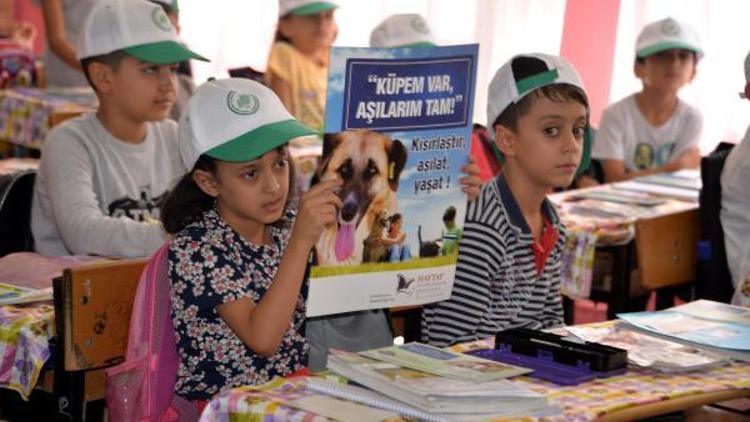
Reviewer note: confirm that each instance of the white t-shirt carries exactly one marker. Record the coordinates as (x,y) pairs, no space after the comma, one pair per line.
(735,209)
(95,194)
(625,135)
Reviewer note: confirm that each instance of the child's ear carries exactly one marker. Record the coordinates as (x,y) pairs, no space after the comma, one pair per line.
(505,140)
(747,90)
(285,27)
(101,76)
(206,182)
(638,68)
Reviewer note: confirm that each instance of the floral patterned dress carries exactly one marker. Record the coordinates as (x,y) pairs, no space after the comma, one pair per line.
(211,264)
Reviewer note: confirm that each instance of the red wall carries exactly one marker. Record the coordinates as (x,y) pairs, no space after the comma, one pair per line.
(588,42)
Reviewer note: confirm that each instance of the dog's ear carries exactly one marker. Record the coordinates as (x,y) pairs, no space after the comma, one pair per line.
(396,162)
(330,142)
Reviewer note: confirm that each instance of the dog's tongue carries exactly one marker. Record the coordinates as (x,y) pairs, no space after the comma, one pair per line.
(344,242)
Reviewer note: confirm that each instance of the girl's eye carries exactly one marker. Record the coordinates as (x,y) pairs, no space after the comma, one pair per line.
(282,163)
(551,131)
(578,131)
(250,174)
(174,68)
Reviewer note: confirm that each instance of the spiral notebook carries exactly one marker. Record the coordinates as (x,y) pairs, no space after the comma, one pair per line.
(374,399)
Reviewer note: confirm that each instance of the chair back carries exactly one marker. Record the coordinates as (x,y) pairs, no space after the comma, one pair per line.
(16,193)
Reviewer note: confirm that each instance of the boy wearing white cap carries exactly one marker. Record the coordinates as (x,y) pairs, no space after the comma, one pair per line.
(402,30)
(654,131)
(735,209)
(509,258)
(104,176)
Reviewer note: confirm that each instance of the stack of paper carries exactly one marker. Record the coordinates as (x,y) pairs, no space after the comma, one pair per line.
(661,190)
(713,326)
(16,295)
(434,393)
(648,351)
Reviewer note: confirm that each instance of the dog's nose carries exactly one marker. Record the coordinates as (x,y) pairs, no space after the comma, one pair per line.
(348,211)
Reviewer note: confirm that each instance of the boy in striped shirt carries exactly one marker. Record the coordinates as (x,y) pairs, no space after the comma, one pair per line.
(509,258)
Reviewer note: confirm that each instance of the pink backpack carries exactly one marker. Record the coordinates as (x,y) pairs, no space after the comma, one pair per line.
(142,387)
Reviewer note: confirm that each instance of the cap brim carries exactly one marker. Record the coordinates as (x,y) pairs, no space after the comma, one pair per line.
(656,48)
(255,143)
(163,52)
(313,8)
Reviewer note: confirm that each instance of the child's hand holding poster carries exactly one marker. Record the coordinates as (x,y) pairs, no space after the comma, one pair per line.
(398,129)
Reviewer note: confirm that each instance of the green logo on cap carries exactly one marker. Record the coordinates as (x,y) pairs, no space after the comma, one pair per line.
(420,25)
(161,20)
(244,104)
(670,27)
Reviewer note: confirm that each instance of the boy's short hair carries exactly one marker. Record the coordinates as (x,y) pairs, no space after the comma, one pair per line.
(112,60)
(526,78)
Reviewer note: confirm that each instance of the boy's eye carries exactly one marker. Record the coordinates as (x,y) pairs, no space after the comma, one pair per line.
(282,163)
(551,131)
(578,131)
(250,174)
(174,68)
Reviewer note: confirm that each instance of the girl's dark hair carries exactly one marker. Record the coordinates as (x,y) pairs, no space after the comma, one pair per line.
(187,203)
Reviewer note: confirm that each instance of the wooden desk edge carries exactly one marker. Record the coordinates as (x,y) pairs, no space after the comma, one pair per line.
(673,405)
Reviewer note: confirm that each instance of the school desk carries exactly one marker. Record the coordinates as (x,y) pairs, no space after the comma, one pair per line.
(661,238)
(636,394)
(27,114)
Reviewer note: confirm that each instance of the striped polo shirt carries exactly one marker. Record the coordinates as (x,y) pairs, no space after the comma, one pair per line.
(497,285)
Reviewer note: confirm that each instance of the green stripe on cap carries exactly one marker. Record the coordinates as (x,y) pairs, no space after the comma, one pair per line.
(257,142)
(313,8)
(669,45)
(163,52)
(535,81)
(588,137)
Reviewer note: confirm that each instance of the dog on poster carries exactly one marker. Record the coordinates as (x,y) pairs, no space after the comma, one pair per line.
(370,165)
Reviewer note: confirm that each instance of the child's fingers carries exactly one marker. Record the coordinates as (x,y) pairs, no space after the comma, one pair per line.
(470,169)
(325,186)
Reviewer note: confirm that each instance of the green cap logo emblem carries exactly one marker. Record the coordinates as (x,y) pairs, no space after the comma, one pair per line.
(243,104)
(161,20)
(670,27)
(420,25)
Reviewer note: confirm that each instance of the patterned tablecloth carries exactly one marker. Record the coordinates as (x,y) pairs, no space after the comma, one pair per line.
(593,223)
(583,402)
(24,344)
(26,114)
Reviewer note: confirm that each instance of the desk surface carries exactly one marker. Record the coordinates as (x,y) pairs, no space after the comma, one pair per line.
(637,394)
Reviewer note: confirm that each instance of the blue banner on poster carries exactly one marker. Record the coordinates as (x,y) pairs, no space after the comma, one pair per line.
(407,94)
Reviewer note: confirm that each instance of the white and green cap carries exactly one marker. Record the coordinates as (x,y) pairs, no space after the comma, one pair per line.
(304,7)
(138,27)
(667,34)
(510,85)
(236,120)
(522,75)
(402,30)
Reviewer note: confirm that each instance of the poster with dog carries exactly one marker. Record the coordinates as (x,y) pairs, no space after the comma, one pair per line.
(397,131)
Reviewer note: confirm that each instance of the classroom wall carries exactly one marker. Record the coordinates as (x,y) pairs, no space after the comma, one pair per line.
(593,56)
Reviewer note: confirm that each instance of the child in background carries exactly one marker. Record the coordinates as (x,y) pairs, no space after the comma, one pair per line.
(412,30)
(398,250)
(239,254)
(104,176)
(509,258)
(185,85)
(452,233)
(63,23)
(735,209)
(298,62)
(653,131)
